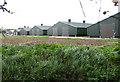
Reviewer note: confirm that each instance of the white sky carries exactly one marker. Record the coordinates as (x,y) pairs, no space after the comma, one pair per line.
(49,12)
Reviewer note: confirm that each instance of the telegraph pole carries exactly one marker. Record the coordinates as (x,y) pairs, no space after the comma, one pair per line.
(118,5)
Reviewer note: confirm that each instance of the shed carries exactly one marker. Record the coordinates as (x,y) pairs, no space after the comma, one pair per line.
(68,29)
(45,29)
(107,28)
(39,30)
(10,32)
(25,31)
(17,32)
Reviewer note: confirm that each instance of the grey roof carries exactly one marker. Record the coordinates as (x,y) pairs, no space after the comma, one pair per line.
(78,25)
(44,27)
(11,30)
(18,30)
(27,29)
(106,19)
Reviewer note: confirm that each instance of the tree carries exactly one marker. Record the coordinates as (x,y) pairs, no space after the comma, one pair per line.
(2,7)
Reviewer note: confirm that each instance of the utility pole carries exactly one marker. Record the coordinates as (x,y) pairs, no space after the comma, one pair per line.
(119,22)
(118,5)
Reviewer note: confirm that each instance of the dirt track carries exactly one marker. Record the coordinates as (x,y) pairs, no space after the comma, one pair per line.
(34,40)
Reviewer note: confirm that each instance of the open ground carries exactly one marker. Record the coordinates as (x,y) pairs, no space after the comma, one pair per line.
(28,40)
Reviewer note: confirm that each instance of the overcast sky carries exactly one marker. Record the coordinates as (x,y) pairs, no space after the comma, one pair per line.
(49,12)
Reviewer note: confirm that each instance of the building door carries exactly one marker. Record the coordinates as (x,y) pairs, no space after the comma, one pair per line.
(44,32)
(65,31)
(18,33)
(38,32)
(32,31)
(81,32)
(54,31)
(24,32)
(28,33)
(107,30)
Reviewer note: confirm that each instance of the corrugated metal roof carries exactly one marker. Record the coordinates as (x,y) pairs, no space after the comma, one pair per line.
(113,16)
(27,29)
(78,25)
(44,27)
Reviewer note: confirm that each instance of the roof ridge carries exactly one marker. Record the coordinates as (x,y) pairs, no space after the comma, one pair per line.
(42,26)
(105,18)
(76,24)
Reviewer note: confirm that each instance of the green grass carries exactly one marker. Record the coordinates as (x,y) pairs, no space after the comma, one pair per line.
(39,36)
(80,38)
(0,36)
(102,39)
(61,62)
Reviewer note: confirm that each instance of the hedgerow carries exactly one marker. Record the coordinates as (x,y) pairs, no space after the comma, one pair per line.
(60,62)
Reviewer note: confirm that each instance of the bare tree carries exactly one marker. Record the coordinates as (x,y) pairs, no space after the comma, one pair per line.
(2,7)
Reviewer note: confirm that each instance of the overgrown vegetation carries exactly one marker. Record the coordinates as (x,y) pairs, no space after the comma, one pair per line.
(61,62)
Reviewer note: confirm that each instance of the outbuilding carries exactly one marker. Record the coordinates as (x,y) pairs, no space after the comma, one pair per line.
(10,31)
(25,31)
(16,32)
(68,29)
(107,28)
(39,30)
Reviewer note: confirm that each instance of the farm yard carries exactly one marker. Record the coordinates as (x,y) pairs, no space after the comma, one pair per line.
(59,58)
(69,28)
(83,48)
